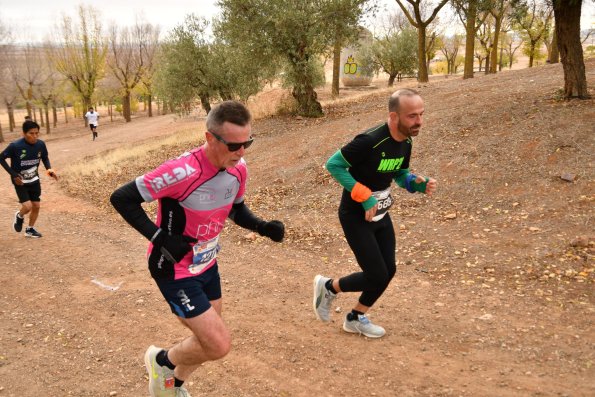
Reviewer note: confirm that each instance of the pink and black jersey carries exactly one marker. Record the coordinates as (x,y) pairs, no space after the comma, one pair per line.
(194,199)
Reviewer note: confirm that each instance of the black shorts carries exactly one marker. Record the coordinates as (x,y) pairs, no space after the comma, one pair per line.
(28,192)
(190,297)
(92,126)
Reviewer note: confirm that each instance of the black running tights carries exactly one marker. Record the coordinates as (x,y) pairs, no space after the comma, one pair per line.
(373,244)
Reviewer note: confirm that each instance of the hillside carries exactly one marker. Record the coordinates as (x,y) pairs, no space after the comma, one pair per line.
(494,289)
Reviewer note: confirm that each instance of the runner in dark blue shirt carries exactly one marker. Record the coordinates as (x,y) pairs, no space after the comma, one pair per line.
(25,155)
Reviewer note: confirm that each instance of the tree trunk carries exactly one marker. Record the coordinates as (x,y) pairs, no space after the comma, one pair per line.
(567,14)
(336,67)
(126,107)
(531,56)
(487,68)
(65,114)
(500,63)
(422,73)
(494,54)
(307,102)
(55,115)
(29,98)
(554,54)
(11,123)
(391,79)
(150,100)
(205,103)
(470,40)
(41,117)
(47,119)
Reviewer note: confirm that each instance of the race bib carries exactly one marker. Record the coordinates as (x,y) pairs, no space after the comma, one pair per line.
(385,201)
(203,253)
(29,175)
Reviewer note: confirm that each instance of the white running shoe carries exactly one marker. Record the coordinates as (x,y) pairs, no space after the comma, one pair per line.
(182,392)
(161,379)
(323,299)
(363,326)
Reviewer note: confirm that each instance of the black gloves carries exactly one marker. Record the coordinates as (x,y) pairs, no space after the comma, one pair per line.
(275,230)
(173,247)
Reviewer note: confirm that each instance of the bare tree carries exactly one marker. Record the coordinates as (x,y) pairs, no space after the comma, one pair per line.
(26,68)
(498,9)
(7,91)
(468,11)
(414,14)
(450,49)
(485,39)
(149,53)
(46,94)
(80,54)
(534,20)
(108,91)
(512,43)
(126,60)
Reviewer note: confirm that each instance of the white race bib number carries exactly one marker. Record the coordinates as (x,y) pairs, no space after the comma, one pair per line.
(385,201)
(29,175)
(203,253)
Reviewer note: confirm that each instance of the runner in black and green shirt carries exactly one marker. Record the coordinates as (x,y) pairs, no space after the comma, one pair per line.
(366,167)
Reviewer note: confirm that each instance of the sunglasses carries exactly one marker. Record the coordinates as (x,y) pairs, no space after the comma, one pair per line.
(233,146)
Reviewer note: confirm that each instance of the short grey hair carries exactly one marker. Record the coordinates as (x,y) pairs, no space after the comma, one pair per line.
(234,112)
(393,101)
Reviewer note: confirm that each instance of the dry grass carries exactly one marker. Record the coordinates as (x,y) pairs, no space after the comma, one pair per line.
(108,161)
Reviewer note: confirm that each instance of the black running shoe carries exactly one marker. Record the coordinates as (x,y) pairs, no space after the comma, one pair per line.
(18,222)
(31,232)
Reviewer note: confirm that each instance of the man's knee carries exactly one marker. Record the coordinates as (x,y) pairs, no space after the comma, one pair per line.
(212,338)
(27,206)
(219,349)
(35,205)
(380,279)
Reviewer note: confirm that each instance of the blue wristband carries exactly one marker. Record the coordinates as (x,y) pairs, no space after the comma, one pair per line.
(409,185)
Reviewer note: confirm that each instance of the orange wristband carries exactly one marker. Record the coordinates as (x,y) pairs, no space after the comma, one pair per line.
(360,193)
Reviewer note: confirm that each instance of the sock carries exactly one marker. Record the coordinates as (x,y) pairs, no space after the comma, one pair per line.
(178,382)
(353,315)
(329,286)
(163,360)
(19,215)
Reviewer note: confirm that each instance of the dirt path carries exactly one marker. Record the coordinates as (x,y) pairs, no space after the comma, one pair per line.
(469,312)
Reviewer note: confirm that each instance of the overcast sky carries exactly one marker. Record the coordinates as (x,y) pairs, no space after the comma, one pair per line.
(38,17)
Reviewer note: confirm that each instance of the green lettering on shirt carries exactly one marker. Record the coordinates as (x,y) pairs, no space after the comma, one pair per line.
(389,165)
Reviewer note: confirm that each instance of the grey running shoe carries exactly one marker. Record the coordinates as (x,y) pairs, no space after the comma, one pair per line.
(323,299)
(161,379)
(18,222)
(31,232)
(182,392)
(363,326)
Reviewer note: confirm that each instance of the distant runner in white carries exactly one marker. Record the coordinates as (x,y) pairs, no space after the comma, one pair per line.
(93,119)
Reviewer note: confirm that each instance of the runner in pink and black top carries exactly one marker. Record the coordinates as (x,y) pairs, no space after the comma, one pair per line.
(194,198)
(196,193)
